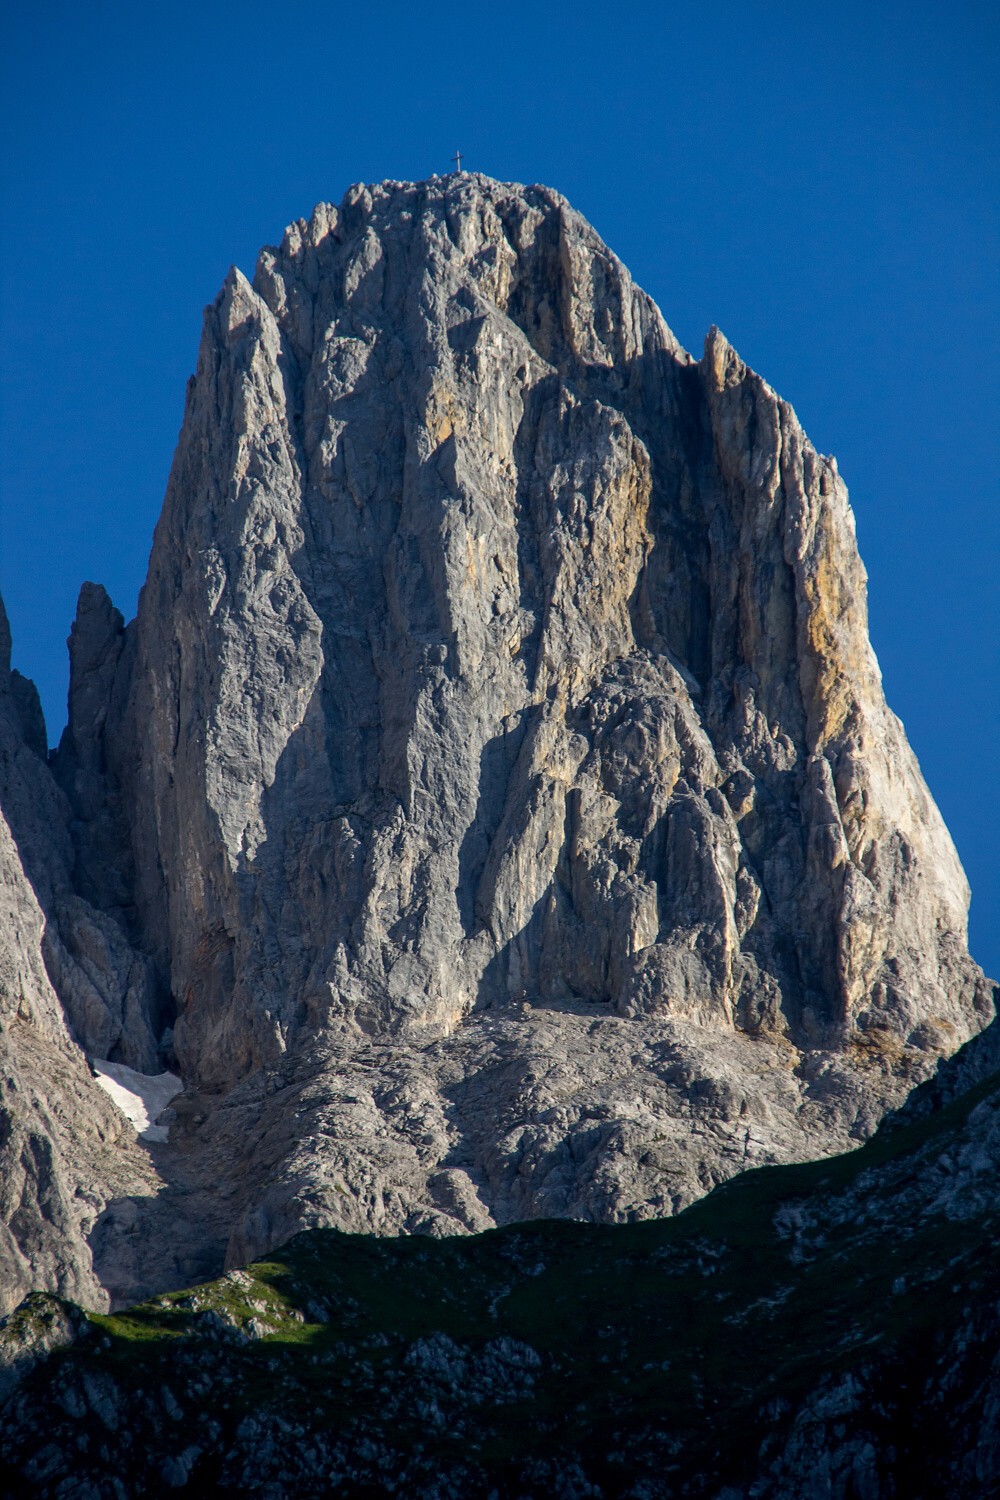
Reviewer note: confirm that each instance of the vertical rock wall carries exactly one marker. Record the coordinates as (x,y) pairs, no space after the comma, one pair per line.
(494,804)
(492,649)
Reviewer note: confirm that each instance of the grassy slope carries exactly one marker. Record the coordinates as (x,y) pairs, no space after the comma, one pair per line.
(666,1348)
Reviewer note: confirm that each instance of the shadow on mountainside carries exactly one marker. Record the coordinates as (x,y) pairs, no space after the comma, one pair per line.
(826,1328)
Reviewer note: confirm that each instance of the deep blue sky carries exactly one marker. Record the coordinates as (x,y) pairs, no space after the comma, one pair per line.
(822,182)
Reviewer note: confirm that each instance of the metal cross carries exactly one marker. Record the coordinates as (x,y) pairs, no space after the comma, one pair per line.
(457,159)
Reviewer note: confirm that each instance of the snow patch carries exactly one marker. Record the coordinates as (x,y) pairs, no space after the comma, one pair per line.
(142,1097)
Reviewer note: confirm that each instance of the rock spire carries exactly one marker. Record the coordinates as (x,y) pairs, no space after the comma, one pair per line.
(497,776)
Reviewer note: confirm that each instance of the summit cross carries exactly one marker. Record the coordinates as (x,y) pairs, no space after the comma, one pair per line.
(457,159)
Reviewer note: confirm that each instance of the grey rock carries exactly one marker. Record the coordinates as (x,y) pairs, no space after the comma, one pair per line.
(517,818)
(66,1152)
(497,774)
(39,1324)
(98,658)
(843,1316)
(107,989)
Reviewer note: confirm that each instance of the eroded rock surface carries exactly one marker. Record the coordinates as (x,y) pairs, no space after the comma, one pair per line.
(844,1315)
(65,1151)
(497,775)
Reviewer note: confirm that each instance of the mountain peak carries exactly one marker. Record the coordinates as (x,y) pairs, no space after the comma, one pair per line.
(497,780)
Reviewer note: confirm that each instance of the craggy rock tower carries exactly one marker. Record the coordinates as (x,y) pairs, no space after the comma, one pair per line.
(496,790)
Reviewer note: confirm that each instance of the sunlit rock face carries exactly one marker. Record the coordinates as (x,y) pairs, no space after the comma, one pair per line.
(494,650)
(497,774)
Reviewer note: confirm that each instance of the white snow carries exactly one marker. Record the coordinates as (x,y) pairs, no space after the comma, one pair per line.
(142,1097)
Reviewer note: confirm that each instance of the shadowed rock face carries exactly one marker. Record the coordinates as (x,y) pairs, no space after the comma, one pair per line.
(65,1151)
(497,773)
(843,1314)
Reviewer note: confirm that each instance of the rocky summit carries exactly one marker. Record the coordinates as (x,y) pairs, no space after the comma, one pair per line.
(493,812)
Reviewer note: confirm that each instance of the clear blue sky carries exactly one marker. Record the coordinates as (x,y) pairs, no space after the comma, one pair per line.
(821,181)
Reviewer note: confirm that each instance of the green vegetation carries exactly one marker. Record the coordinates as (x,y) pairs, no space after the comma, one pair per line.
(668,1349)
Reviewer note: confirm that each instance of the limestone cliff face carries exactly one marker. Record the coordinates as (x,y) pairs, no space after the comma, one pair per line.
(494,650)
(497,775)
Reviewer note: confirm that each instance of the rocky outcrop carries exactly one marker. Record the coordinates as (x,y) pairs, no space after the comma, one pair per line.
(106,988)
(65,1151)
(844,1316)
(497,775)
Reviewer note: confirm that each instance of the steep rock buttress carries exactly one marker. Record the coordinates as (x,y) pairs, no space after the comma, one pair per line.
(497,775)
